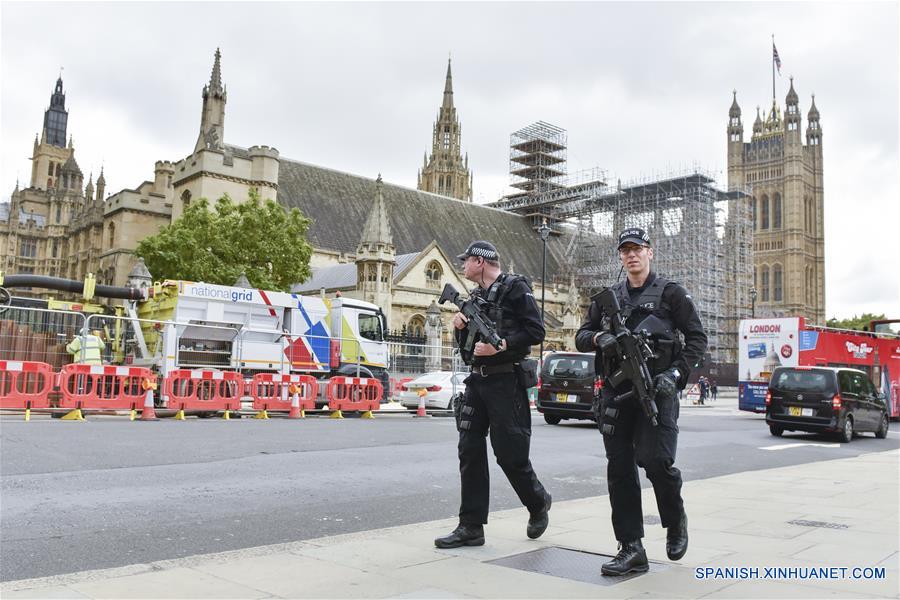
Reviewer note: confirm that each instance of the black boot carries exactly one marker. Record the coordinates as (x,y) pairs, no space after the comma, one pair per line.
(463,535)
(677,539)
(537,522)
(631,559)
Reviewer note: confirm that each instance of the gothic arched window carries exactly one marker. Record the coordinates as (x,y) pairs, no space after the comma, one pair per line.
(764,209)
(764,277)
(112,235)
(58,212)
(433,274)
(777,291)
(776,211)
(185,199)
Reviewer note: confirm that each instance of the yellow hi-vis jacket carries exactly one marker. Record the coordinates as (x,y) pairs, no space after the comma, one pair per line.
(90,351)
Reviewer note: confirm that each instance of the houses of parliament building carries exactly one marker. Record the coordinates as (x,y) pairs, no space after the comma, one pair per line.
(386,243)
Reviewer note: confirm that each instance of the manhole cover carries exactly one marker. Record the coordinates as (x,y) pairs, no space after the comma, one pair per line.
(576,565)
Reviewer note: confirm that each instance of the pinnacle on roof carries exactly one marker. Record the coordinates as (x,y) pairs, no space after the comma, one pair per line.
(215,79)
(792,97)
(377,229)
(813,111)
(101,180)
(448,88)
(735,110)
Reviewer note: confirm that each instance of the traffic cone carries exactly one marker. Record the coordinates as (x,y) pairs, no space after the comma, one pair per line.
(420,411)
(295,412)
(149,411)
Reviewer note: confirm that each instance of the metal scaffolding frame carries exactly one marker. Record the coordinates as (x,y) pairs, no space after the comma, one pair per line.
(702,238)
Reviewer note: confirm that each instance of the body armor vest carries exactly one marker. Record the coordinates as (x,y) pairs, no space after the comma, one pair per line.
(650,302)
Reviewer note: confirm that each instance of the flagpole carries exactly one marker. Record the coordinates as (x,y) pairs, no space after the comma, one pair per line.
(773,67)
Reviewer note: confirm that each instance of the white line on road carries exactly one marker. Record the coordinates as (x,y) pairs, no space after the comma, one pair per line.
(797,445)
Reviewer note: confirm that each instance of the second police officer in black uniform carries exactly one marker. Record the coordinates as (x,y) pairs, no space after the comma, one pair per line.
(629,438)
(496,399)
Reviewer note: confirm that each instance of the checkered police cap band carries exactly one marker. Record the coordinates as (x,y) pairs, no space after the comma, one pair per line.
(485,250)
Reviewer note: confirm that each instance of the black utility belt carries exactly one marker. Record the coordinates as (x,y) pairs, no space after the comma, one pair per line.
(485,370)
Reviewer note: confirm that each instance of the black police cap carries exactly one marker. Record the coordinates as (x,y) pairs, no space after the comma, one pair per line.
(485,250)
(634,235)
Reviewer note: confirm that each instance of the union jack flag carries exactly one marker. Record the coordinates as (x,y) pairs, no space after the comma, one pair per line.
(776,58)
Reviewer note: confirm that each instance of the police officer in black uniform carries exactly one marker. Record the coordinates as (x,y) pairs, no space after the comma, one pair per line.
(629,438)
(496,399)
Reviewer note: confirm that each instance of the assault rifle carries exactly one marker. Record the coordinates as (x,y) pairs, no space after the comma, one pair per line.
(630,351)
(474,309)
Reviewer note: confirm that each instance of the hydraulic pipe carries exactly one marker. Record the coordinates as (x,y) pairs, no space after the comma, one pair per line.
(70,285)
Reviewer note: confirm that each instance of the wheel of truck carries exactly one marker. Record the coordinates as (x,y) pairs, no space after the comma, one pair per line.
(552,419)
(776,430)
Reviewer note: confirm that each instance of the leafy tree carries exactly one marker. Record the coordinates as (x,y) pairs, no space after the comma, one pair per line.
(859,323)
(258,238)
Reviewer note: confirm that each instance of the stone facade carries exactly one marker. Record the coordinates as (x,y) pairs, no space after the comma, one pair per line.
(371,240)
(785,177)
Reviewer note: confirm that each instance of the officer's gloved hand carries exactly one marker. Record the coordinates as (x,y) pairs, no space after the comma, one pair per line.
(666,383)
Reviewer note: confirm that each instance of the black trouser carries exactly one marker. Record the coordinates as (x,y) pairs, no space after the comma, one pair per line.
(500,404)
(635,442)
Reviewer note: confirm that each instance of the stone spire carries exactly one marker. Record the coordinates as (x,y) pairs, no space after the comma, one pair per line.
(101,185)
(377,230)
(89,189)
(448,89)
(212,121)
(446,172)
(375,255)
(735,110)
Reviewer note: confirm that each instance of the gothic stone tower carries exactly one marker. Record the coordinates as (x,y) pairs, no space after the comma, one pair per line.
(785,179)
(446,172)
(375,255)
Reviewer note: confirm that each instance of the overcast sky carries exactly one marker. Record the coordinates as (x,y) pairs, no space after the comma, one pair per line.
(642,88)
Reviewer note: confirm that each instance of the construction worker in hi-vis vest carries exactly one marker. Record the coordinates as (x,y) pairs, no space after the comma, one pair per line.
(87,349)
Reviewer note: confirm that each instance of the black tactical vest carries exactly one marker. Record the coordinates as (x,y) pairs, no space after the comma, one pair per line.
(501,315)
(650,302)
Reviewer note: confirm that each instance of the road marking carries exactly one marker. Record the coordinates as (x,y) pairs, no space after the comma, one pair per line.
(797,445)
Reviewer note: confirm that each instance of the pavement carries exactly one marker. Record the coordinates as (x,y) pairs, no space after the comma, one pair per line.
(826,529)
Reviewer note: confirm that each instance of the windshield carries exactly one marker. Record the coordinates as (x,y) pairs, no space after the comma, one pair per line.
(370,327)
(790,380)
(569,366)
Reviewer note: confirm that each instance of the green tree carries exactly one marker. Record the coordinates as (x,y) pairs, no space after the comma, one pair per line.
(859,323)
(258,238)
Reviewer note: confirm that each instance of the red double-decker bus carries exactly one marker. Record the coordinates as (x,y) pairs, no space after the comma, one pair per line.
(768,343)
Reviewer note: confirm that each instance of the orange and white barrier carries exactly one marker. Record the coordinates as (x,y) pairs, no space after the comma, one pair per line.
(203,390)
(103,387)
(353,393)
(25,384)
(292,393)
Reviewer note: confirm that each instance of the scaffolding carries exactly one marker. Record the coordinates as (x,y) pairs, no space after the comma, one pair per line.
(701,236)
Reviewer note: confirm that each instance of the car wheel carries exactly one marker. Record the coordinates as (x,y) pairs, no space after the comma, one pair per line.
(881,433)
(846,434)
(776,430)
(552,419)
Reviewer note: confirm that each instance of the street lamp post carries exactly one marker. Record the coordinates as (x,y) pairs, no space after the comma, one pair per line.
(544,232)
(753,302)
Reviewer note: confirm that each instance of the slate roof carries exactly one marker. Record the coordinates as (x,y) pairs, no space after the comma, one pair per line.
(342,276)
(339,203)
(39,220)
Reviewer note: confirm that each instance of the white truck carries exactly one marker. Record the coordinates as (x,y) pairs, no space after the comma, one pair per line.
(255,331)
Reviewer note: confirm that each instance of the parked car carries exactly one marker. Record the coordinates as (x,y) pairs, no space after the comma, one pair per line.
(439,387)
(566,387)
(825,399)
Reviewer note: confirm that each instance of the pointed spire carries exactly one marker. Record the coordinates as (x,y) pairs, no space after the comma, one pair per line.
(215,80)
(89,188)
(792,98)
(377,229)
(448,88)
(813,111)
(735,110)
(101,180)
(71,141)
(757,124)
